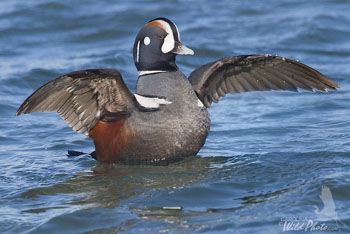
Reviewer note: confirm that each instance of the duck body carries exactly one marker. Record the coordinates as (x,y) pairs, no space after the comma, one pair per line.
(166,119)
(158,136)
(178,129)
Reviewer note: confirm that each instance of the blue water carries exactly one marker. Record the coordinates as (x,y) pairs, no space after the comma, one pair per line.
(266,158)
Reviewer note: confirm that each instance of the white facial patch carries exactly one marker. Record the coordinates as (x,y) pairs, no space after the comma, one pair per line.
(169,41)
(146,41)
(169,44)
(138,52)
(149,102)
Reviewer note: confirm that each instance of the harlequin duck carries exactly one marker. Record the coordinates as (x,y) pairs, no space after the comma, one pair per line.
(167,118)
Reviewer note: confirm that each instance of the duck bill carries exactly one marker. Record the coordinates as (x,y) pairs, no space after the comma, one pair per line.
(182,49)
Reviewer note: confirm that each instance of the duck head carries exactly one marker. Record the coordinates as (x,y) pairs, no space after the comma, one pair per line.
(156,46)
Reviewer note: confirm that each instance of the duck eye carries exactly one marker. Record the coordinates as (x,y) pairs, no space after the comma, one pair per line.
(160,37)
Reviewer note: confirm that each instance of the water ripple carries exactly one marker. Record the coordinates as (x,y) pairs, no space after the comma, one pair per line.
(268,153)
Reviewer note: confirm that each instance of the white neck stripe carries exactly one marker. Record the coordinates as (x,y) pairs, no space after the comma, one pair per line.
(138,52)
(141,73)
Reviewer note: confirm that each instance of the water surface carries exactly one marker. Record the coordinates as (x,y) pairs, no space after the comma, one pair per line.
(266,158)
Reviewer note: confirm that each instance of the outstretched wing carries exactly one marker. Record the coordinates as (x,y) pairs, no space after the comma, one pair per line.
(82,98)
(247,73)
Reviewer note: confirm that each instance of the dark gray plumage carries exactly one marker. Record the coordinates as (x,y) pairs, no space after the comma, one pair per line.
(82,98)
(247,73)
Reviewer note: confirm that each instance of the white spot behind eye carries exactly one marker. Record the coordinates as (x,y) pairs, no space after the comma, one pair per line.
(147,40)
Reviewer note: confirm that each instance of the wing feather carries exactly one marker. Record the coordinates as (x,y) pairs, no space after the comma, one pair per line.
(82,98)
(248,73)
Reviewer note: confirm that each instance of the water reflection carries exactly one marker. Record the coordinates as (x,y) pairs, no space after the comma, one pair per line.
(106,185)
(188,195)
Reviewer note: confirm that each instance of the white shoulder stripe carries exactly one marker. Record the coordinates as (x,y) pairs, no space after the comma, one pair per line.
(149,102)
(200,103)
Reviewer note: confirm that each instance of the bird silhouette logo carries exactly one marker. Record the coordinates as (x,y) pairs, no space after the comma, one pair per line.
(328,213)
